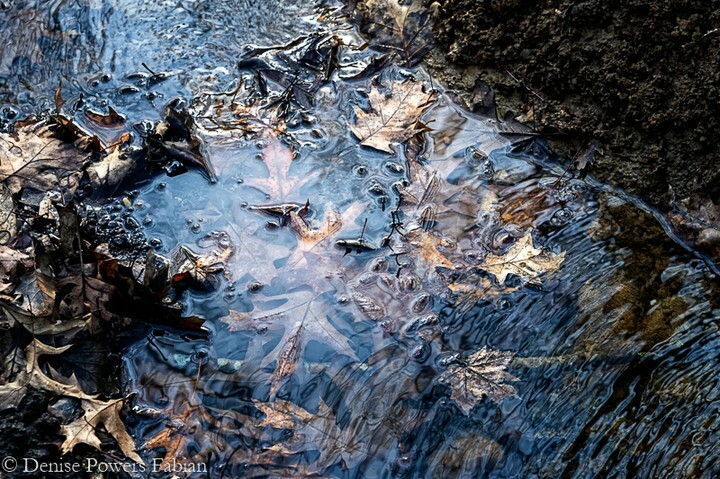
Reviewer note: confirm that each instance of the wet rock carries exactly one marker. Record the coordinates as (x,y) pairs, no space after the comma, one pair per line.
(708,241)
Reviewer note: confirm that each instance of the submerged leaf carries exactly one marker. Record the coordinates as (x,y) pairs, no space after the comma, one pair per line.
(479,376)
(403,27)
(310,432)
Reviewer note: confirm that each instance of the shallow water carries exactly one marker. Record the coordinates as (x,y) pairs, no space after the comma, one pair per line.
(614,353)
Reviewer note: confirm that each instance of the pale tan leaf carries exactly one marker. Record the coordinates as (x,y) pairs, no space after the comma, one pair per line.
(83,429)
(522,260)
(393,119)
(111,170)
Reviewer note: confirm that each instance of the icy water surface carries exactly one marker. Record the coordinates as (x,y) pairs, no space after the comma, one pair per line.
(345,351)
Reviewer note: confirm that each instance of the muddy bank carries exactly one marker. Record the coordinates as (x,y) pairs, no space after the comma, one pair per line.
(640,78)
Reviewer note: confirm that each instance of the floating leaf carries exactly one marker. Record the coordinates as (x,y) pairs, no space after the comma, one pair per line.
(392,119)
(522,260)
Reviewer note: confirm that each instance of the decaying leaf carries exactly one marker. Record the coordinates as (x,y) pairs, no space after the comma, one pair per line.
(480,375)
(7,215)
(32,302)
(240,110)
(198,270)
(34,157)
(12,264)
(177,138)
(96,411)
(522,260)
(393,119)
(401,27)
(176,436)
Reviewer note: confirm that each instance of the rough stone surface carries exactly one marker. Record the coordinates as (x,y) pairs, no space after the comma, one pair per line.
(642,78)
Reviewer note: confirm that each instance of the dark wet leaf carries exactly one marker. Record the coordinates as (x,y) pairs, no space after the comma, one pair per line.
(404,28)
(176,138)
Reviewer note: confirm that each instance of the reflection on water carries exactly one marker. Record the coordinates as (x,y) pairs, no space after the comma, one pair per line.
(325,359)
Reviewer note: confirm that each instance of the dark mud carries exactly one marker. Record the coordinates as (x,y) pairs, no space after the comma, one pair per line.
(640,78)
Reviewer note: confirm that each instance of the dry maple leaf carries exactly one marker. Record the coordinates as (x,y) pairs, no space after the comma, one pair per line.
(393,119)
(480,375)
(522,260)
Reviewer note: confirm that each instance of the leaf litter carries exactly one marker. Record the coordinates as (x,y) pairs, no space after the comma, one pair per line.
(323,274)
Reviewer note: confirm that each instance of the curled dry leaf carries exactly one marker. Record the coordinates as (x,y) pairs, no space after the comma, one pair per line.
(392,119)
(480,375)
(198,270)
